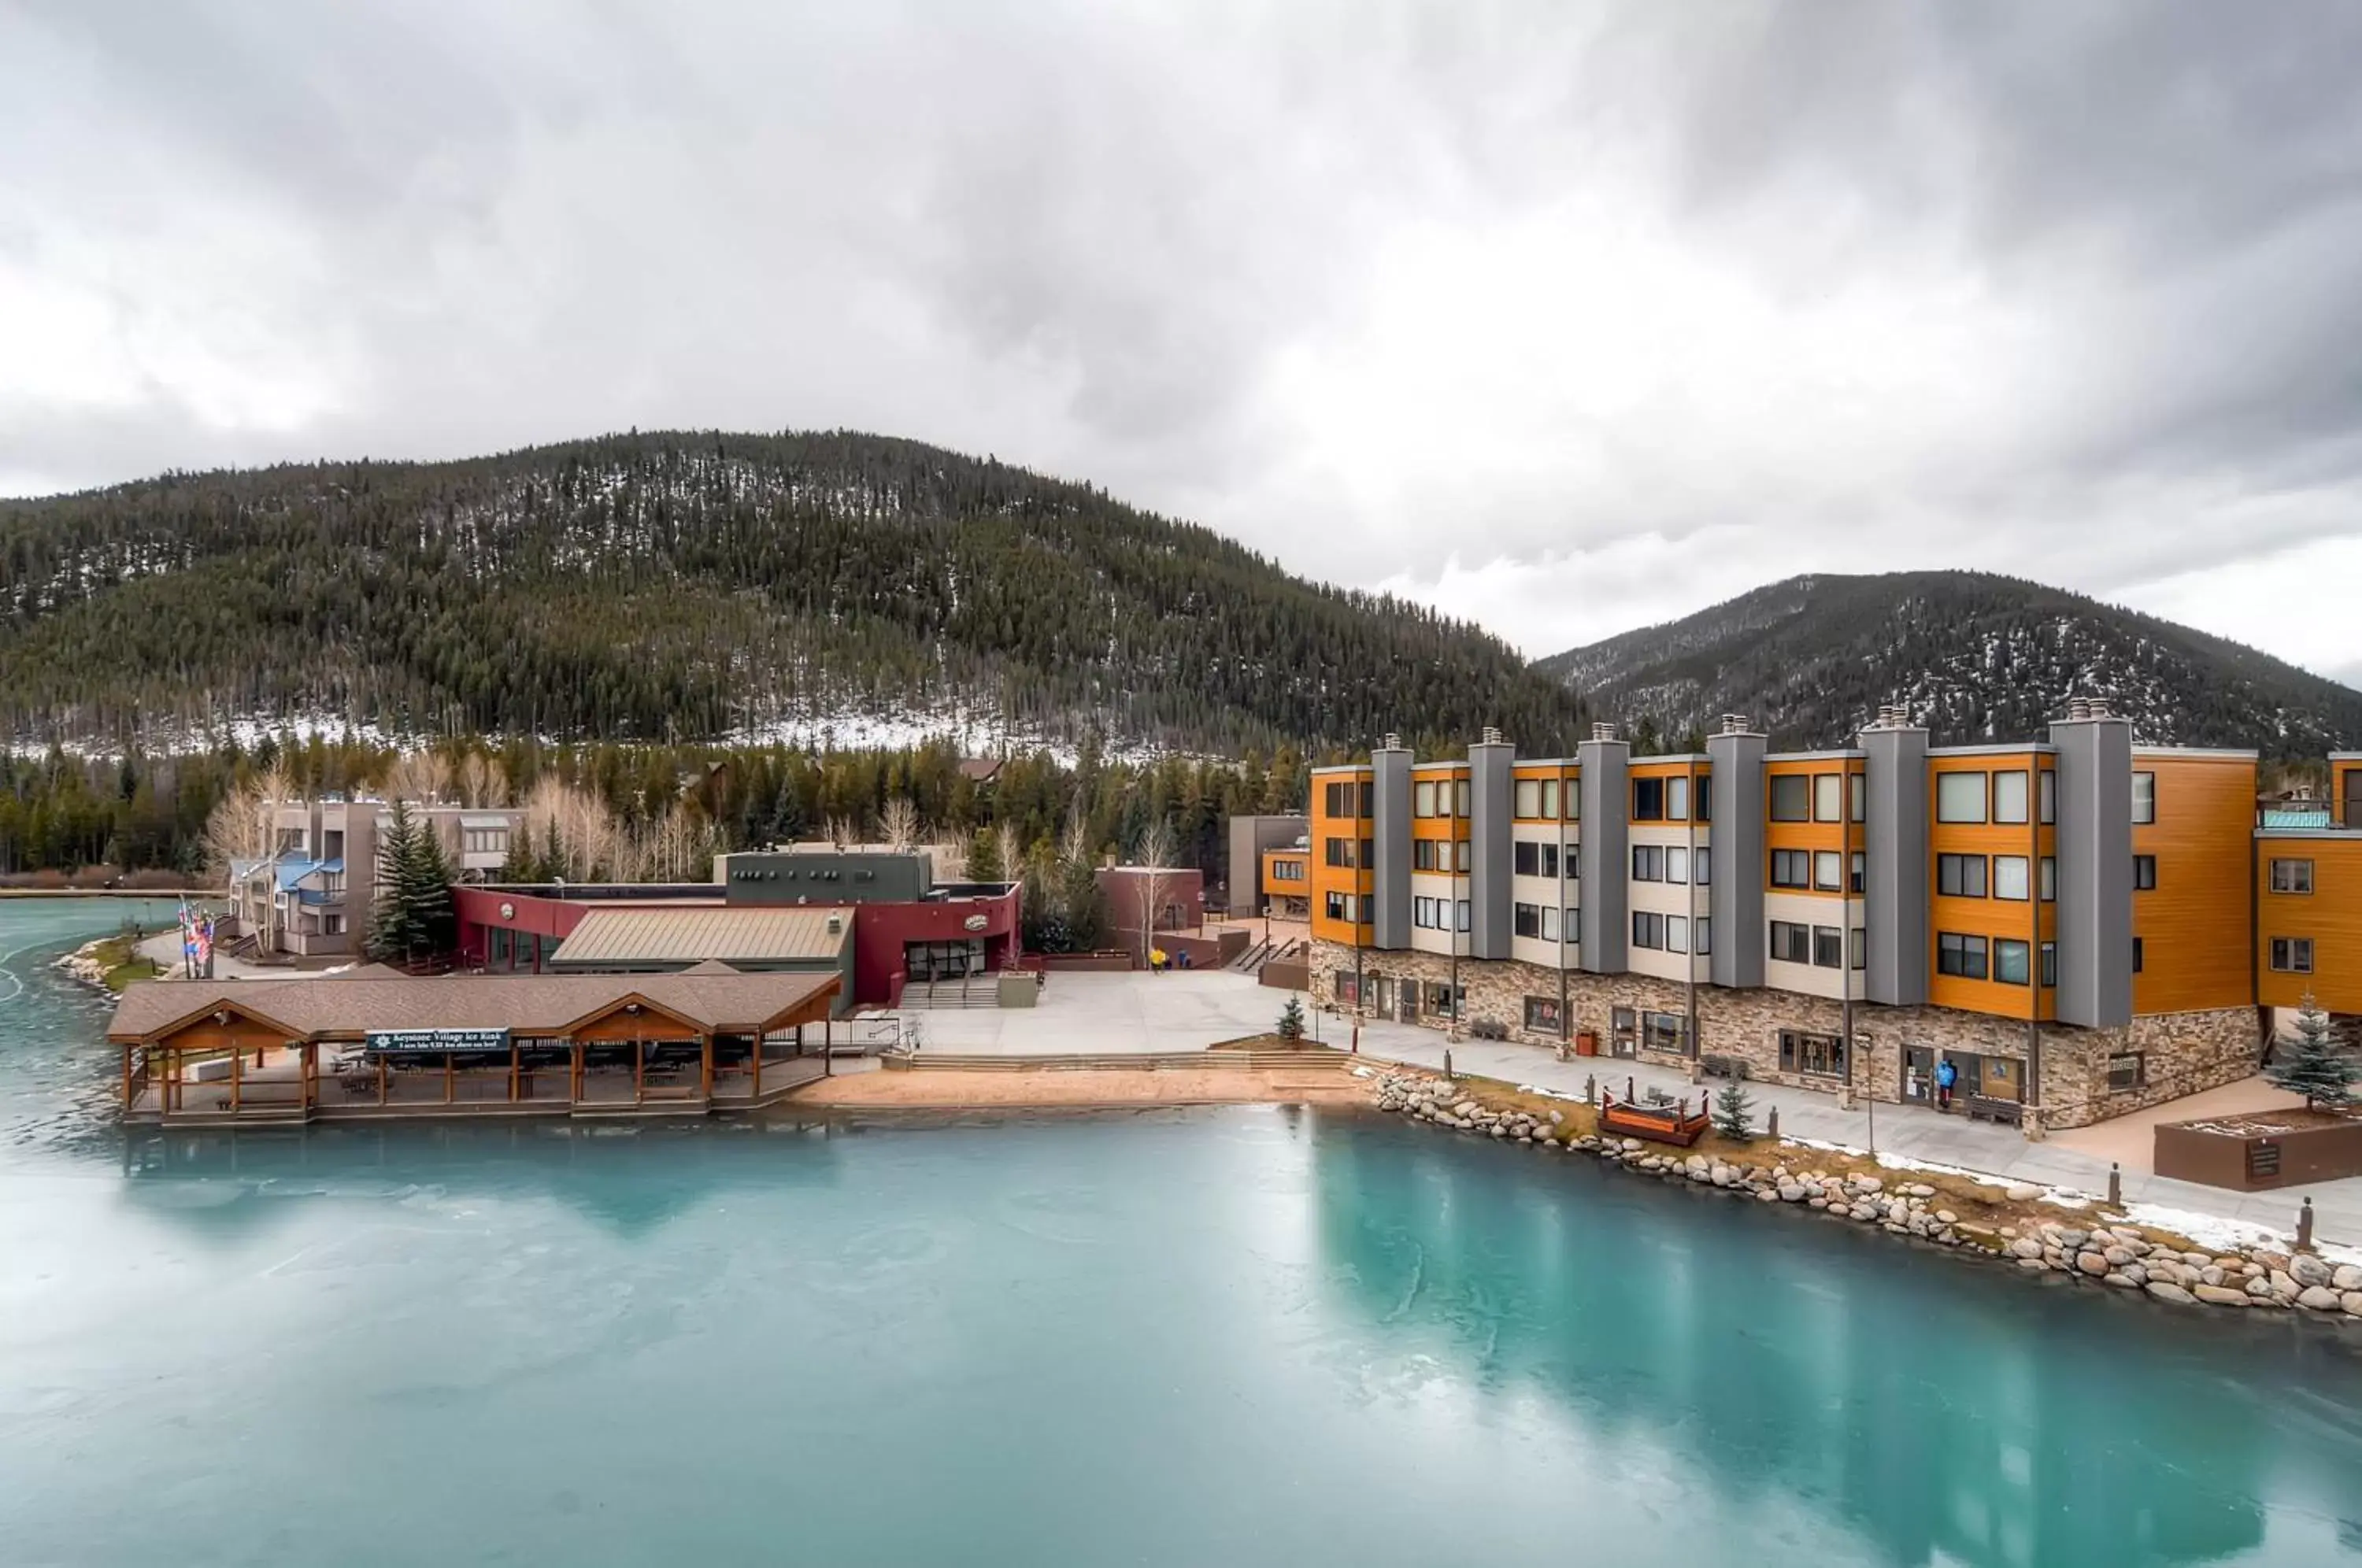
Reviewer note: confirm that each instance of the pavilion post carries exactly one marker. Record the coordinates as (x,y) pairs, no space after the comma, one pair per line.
(127,1079)
(381,1084)
(756,1091)
(577,1080)
(513,1054)
(639,1070)
(446,1078)
(237,1077)
(705,1066)
(827,1048)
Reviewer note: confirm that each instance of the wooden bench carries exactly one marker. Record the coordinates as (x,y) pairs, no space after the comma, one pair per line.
(1723,1067)
(2005,1112)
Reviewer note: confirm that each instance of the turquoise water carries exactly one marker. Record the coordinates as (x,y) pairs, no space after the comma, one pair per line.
(1234,1337)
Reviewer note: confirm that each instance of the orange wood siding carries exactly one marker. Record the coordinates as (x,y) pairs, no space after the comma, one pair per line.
(1354,879)
(1842,837)
(1565,777)
(2193,927)
(2331,915)
(2029,921)
(1650,768)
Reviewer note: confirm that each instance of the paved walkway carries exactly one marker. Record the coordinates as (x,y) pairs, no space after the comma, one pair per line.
(1104,1015)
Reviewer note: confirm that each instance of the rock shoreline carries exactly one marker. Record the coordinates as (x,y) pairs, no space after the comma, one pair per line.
(2124,1257)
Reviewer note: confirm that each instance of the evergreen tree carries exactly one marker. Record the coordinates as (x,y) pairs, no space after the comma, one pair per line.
(1734,1112)
(1291,1018)
(983,857)
(394,934)
(2313,1063)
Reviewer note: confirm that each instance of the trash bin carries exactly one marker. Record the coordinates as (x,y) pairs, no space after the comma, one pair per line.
(1586,1042)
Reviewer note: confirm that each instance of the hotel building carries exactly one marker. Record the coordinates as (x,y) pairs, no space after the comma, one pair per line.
(2083,926)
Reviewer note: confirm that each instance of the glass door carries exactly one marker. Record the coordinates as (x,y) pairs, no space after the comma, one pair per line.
(1919,1075)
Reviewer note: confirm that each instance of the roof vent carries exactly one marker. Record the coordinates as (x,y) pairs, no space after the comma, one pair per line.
(1603,731)
(1736,724)
(2097,708)
(835,924)
(2078,708)
(1491,735)
(1393,741)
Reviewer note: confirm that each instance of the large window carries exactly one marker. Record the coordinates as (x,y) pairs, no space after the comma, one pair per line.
(1705,866)
(1677,864)
(1815,1055)
(1422,797)
(1705,943)
(1829,797)
(1960,797)
(1648,863)
(2143,797)
(1542,1013)
(2009,801)
(1460,797)
(1647,930)
(1662,1031)
(2291,876)
(1828,867)
(1677,799)
(1961,876)
(1287,870)
(2292,955)
(1526,798)
(1792,798)
(1858,786)
(2144,873)
(1792,942)
(1349,986)
(1526,920)
(2009,874)
(1647,800)
(1340,799)
(1461,848)
(1677,933)
(1829,947)
(1426,855)
(2010,961)
(1530,860)
(1792,869)
(1338,851)
(1961,956)
(1339,906)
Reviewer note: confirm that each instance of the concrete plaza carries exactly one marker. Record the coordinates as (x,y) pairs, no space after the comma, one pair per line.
(1088,1014)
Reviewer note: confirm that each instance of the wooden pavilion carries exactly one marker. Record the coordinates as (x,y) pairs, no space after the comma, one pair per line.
(377,1044)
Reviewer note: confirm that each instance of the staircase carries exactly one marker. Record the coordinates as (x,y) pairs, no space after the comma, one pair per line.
(968,991)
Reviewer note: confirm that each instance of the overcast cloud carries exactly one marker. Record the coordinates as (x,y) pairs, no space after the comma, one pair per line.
(1563,317)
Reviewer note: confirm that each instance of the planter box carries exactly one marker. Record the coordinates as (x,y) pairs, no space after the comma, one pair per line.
(2260,1150)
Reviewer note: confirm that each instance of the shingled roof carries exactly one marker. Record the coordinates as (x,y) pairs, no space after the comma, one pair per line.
(335,1008)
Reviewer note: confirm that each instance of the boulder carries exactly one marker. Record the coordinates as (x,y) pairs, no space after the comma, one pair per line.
(2345,1278)
(2219,1296)
(2319,1299)
(2121,1281)
(2093,1264)
(1792,1192)
(2022,1192)
(2309,1272)
(2284,1285)
(2211,1275)
(2352,1302)
(2172,1293)
(2025,1247)
(1946,1217)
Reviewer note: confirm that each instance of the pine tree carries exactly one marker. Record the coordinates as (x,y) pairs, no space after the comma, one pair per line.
(1291,1018)
(394,933)
(2311,1061)
(983,857)
(1734,1112)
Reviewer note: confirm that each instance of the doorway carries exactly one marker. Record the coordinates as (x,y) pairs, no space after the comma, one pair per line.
(1919,1075)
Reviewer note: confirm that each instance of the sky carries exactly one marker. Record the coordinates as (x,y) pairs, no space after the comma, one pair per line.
(1562,316)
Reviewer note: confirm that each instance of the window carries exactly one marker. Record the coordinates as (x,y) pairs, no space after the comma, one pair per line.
(1339,906)
(1422,797)
(1349,988)
(1706,799)
(1622,1027)
(1442,999)
(1648,863)
(1647,800)
(1705,866)
(1662,1030)
(1792,800)
(1369,856)
(1677,933)
(2143,797)
(1960,797)
(1826,951)
(2009,877)
(2128,1070)
(1550,799)
(2292,955)
(1460,850)
(2137,955)
(1961,956)
(1422,913)
(1530,860)
(1859,877)
(2049,796)
(1861,948)
(2144,873)
(1542,1013)
(1460,797)
(1528,798)
(2291,876)
(2049,963)
(1827,867)
(484,840)
(1526,920)
(1647,930)
(1572,925)
(1790,942)
(1336,801)
(1792,869)
(1961,876)
(2009,797)
(1829,797)
(1677,864)
(1859,787)
(1550,922)
(1817,1055)
(332,924)
(1574,800)
(1705,935)
(2049,874)
(2009,961)
(1425,853)
(1287,870)
(1338,851)
(1464,915)
(1677,799)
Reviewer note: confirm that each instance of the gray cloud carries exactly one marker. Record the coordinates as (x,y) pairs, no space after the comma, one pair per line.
(1562,316)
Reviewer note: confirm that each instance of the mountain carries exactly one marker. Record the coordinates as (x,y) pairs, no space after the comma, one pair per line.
(1974,656)
(707,586)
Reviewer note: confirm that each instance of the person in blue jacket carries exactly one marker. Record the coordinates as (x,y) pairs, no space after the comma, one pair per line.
(1947,1075)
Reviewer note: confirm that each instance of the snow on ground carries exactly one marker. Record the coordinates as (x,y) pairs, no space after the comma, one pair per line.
(2220,1235)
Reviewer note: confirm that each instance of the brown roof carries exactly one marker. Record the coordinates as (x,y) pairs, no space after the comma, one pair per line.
(340,1007)
(688,935)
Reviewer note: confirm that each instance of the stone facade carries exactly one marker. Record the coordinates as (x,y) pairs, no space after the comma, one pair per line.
(2181,1053)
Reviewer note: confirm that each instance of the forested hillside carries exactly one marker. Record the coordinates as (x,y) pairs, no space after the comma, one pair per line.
(1974,657)
(693,586)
